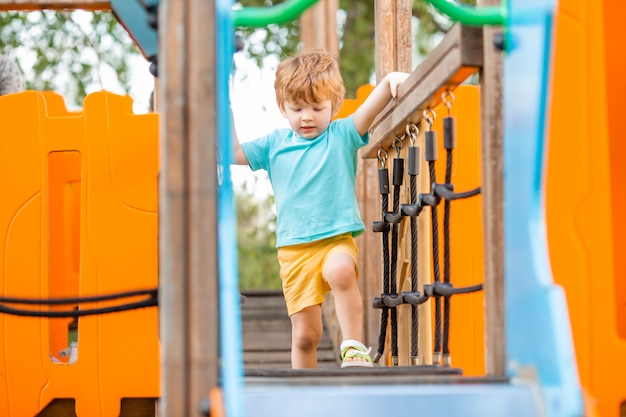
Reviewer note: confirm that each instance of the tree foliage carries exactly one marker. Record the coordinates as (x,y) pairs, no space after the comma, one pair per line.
(256,237)
(67,51)
(357,42)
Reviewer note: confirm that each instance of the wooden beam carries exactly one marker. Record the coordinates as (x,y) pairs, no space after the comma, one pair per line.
(459,55)
(188,275)
(318,27)
(29,5)
(493,200)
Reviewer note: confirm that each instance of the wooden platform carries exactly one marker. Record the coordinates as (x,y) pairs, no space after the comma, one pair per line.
(267,343)
(267,334)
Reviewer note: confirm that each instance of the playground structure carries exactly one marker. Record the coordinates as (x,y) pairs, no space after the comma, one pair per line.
(529,347)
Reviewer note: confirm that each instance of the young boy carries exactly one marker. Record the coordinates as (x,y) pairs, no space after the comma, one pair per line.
(312,169)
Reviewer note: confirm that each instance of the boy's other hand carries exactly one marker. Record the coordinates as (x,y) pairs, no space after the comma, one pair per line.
(395,79)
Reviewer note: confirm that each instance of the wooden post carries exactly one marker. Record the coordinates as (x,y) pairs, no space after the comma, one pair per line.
(187,206)
(318,27)
(493,199)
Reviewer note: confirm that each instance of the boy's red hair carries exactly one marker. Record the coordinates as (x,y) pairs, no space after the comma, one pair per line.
(311,77)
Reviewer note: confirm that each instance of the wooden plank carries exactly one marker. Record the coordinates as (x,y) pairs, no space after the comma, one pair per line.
(264,315)
(375,375)
(458,56)
(493,201)
(54,5)
(277,341)
(282,359)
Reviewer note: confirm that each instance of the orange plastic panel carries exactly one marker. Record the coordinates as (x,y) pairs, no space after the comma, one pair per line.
(64,169)
(585,198)
(79,217)
(615,66)
(467,311)
(350,105)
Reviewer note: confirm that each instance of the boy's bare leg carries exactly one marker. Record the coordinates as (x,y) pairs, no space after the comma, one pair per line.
(306,334)
(340,273)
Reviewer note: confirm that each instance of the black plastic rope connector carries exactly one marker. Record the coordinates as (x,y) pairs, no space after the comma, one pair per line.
(380,227)
(446,191)
(383,180)
(411,210)
(393,217)
(446,289)
(449,141)
(430,199)
(378,302)
(398,171)
(414,298)
(431,145)
(387,300)
(414,161)
(391,300)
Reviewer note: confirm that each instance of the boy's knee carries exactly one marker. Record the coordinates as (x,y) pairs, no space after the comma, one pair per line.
(340,272)
(306,339)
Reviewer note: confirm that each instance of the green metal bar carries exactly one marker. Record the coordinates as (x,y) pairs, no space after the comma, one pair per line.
(262,16)
(472,16)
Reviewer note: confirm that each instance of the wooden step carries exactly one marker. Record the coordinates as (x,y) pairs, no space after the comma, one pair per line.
(267,333)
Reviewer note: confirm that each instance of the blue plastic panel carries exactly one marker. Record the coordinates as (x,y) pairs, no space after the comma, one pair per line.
(484,400)
(538,332)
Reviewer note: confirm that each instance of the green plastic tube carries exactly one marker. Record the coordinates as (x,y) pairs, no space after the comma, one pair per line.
(255,17)
(472,16)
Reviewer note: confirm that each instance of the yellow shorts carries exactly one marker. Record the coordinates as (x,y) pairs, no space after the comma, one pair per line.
(301,269)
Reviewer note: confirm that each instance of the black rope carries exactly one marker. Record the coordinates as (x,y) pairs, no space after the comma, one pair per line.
(150,301)
(435,246)
(431,157)
(384,320)
(76,300)
(446,260)
(413,171)
(449,145)
(414,311)
(398,173)
(383,227)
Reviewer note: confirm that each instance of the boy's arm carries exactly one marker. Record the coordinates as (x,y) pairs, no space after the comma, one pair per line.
(377,100)
(239,156)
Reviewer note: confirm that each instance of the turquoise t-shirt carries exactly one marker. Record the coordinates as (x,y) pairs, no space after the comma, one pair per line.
(313,181)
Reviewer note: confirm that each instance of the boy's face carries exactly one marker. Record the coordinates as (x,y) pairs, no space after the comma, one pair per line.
(308,120)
